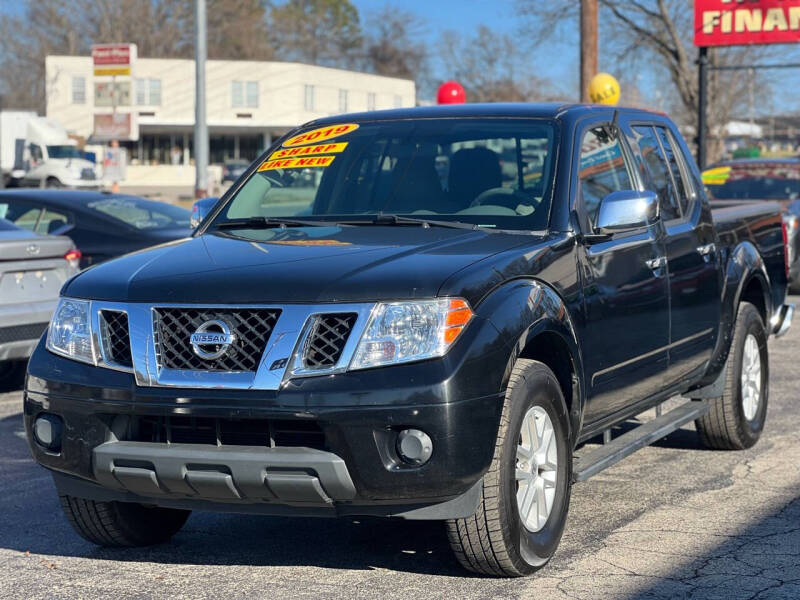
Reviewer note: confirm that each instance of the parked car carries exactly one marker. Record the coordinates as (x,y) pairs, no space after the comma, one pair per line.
(233,169)
(762,179)
(378,343)
(32,270)
(101,225)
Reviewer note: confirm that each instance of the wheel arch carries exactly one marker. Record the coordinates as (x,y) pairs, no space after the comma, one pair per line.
(745,279)
(535,320)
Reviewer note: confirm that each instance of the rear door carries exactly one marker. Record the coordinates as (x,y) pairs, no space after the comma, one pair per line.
(692,259)
(625,291)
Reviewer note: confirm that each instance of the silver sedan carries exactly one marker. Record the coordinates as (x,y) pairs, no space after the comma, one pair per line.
(32,270)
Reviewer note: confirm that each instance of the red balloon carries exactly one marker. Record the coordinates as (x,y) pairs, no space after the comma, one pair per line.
(451,92)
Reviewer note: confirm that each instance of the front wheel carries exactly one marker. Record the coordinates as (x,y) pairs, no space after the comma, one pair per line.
(525,493)
(736,419)
(122,523)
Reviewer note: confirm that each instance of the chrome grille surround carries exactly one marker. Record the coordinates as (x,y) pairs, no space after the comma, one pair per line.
(280,360)
(115,340)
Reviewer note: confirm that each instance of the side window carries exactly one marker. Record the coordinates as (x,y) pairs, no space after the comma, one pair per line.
(601,170)
(21,214)
(51,222)
(657,175)
(681,188)
(36,153)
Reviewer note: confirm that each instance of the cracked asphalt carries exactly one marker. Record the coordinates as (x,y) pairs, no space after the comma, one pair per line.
(672,521)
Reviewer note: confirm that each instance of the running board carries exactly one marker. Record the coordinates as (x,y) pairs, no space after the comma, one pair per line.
(643,435)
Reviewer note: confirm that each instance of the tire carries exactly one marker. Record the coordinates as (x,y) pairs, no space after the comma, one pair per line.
(494,541)
(52,182)
(728,426)
(122,524)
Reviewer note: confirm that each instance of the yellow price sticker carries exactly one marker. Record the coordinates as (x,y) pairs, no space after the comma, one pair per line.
(321,134)
(296,163)
(309,150)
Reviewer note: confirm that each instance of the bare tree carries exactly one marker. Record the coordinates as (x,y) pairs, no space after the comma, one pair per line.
(657,35)
(393,45)
(319,32)
(160,28)
(489,67)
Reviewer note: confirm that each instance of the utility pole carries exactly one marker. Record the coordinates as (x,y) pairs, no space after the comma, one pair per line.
(588,46)
(200,126)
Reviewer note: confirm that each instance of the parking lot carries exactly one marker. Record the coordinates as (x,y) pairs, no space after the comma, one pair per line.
(673,521)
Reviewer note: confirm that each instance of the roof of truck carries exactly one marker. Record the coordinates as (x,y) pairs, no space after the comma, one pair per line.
(543,110)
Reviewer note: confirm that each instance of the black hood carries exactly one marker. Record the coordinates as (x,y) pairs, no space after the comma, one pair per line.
(306,264)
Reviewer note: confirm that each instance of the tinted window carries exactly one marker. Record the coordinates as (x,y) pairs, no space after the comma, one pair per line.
(142,214)
(52,221)
(492,173)
(672,161)
(22,214)
(602,169)
(655,170)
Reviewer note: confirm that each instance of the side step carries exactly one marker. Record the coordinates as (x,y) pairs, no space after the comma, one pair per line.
(643,435)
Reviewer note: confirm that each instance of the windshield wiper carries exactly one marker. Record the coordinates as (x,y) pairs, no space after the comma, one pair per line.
(398,220)
(269,223)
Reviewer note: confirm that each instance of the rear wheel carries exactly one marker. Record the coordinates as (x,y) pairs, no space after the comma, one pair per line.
(736,419)
(525,493)
(122,523)
(52,182)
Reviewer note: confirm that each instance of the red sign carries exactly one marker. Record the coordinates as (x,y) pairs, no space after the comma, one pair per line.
(111,54)
(736,22)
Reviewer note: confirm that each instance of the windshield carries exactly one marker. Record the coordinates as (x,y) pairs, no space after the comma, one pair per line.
(488,172)
(767,181)
(143,214)
(65,151)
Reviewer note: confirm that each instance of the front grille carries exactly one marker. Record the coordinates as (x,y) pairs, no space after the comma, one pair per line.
(327,339)
(251,328)
(115,337)
(18,333)
(270,433)
(88,174)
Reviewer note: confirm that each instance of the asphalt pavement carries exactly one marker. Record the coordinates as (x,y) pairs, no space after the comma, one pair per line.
(672,521)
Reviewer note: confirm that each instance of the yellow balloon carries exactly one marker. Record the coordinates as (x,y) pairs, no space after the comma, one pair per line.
(604,89)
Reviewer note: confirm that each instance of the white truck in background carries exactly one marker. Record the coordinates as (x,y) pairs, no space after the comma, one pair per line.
(36,151)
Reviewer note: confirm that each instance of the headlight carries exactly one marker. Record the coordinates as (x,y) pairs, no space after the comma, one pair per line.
(400,332)
(70,332)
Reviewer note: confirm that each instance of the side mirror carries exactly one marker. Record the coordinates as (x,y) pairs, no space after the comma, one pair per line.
(625,210)
(200,210)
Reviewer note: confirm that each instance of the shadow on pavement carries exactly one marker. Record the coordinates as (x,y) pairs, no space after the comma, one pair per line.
(761,561)
(31,521)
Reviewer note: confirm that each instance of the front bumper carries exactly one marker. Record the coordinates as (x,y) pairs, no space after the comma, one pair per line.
(357,471)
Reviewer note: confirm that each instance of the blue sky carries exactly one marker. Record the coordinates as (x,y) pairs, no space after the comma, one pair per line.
(558,60)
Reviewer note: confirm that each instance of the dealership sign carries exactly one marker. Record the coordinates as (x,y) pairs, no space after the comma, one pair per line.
(735,22)
(113,59)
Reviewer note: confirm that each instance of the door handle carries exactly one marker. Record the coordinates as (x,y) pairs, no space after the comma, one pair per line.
(657,263)
(707,251)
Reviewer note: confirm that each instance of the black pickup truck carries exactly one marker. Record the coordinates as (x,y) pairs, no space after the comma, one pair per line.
(422,314)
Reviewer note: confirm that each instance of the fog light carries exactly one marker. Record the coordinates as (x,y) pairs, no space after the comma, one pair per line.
(47,431)
(414,446)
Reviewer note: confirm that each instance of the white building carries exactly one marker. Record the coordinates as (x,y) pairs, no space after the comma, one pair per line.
(248,103)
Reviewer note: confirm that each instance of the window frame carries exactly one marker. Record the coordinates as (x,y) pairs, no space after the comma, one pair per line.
(309,97)
(652,125)
(587,224)
(82,90)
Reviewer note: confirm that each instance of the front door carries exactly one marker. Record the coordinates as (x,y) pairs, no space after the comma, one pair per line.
(625,287)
